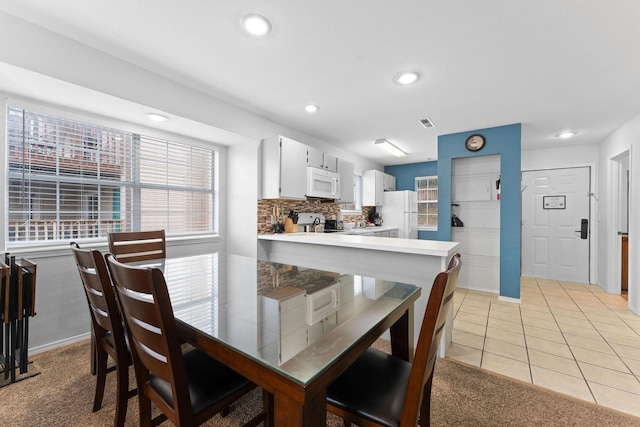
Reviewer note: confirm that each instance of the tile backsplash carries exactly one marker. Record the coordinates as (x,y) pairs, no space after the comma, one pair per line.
(327,208)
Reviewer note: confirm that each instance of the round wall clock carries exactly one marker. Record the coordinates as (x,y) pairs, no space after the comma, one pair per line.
(475,142)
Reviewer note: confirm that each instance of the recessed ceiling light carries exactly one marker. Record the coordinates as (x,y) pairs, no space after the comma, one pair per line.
(157,117)
(407,77)
(256,25)
(565,135)
(311,108)
(383,143)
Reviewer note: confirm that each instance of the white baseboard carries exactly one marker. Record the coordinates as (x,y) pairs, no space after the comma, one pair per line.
(61,343)
(509,299)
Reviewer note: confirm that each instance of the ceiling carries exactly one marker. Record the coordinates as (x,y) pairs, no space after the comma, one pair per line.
(552,65)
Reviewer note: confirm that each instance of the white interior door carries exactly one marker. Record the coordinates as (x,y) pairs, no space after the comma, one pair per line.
(555,203)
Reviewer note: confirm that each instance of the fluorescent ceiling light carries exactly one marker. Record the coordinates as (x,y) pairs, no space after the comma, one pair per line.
(407,77)
(157,117)
(256,25)
(390,147)
(565,135)
(311,108)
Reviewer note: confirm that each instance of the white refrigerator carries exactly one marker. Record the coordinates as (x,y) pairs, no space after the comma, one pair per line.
(400,208)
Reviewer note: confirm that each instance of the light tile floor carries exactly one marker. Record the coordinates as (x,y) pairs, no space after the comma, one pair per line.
(568,337)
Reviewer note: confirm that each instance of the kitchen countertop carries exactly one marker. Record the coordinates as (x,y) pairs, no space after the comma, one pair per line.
(409,246)
(363,230)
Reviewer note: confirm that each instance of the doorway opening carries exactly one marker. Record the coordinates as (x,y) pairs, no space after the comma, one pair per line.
(619,180)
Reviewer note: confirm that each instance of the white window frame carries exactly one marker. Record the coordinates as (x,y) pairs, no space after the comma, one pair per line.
(427,227)
(104,122)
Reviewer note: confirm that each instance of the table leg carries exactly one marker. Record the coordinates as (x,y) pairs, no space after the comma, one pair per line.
(291,413)
(402,344)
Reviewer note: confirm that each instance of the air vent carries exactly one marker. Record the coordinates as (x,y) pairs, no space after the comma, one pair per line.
(427,123)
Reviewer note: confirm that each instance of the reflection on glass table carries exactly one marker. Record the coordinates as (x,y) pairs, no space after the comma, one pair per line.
(276,313)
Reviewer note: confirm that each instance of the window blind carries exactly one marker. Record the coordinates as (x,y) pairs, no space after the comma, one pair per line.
(74,180)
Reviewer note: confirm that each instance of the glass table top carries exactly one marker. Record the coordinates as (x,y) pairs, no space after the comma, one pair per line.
(295,320)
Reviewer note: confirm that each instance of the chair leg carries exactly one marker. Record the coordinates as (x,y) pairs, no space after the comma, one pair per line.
(94,371)
(425,408)
(144,405)
(101,376)
(122,394)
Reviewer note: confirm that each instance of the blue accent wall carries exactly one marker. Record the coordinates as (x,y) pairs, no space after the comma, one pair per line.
(406,180)
(504,141)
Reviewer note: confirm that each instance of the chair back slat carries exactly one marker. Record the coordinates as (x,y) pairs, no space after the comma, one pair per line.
(138,245)
(146,307)
(438,305)
(100,295)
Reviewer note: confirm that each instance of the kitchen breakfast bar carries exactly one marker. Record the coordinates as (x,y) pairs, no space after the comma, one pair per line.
(398,260)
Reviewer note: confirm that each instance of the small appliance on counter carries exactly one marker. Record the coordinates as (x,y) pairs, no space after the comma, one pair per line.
(311,222)
(330,224)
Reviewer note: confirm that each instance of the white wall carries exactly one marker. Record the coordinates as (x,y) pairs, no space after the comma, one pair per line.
(568,157)
(625,138)
(241,201)
(60,303)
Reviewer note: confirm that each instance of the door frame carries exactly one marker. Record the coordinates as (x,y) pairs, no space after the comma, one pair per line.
(614,243)
(593,225)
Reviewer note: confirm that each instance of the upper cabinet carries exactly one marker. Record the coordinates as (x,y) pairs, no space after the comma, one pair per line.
(346,171)
(475,179)
(374,184)
(284,168)
(471,189)
(388,182)
(321,160)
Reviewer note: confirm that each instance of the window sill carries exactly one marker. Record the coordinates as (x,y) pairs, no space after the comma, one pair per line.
(62,248)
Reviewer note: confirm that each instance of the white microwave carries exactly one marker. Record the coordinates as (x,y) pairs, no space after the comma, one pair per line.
(322,303)
(322,183)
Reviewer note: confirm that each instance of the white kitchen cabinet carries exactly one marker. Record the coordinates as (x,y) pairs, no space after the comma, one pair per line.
(346,170)
(375,288)
(284,312)
(386,233)
(374,184)
(388,182)
(284,168)
(372,188)
(318,159)
(471,189)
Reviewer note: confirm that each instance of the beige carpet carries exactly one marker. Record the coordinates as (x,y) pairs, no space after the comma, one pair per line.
(62,395)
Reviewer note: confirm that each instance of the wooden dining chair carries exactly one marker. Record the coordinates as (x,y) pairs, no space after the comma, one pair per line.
(108,333)
(138,245)
(187,388)
(382,390)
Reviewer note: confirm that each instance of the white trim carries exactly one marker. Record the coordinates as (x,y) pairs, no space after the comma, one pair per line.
(60,343)
(594,214)
(509,299)
(101,245)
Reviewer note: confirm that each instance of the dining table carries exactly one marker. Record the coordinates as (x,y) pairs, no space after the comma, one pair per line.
(289,329)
